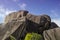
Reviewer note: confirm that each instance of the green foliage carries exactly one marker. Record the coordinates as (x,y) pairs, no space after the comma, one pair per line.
(33,36)
(12,38)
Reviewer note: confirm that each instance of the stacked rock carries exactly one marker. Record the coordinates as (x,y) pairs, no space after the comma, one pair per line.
(22,22)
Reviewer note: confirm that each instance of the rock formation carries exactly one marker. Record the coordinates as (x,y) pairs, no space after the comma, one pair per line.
(19,23)
(15,15)
(52,34)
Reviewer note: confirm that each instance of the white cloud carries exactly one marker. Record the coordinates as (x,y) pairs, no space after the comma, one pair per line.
(57,21)
(9,11)
(22,6)
(54,13)
(4,12)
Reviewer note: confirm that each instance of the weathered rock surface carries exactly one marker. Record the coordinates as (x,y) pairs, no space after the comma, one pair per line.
(15,15)
(52,34)
(54,25)
(10,28)
(41,22)
(22,22)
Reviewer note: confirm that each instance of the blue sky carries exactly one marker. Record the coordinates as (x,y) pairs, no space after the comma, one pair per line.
(36,7)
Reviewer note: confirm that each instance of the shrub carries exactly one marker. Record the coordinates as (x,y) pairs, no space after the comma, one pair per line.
(33,36)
